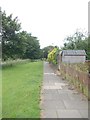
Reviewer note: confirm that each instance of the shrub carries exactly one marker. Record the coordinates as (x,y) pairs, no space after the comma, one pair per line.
(52,56)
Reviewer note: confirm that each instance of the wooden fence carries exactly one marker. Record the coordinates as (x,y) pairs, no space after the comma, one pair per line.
(80,79)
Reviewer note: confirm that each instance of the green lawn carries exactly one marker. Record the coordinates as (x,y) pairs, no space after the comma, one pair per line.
(21,90)
(0,93)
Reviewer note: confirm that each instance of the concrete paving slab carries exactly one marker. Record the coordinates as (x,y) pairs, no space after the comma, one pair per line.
(68,114)
(72,119)
(50,91)
(51,97)
(64,96)
(83,105)
(59,99)
(53,104)
(65,91)
(55,87)
(84,113)
(77,96)
(49,114)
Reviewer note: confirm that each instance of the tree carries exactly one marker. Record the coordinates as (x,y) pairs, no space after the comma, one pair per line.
(17,44)
(10,40)
(32,48)
(88,49)
(78,41)
(46,50)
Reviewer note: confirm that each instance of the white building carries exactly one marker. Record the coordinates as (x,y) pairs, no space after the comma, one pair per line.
(73,56)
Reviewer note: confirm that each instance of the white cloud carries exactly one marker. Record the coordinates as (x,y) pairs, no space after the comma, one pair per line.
(50,20)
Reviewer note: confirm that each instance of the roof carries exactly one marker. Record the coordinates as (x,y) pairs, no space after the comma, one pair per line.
(74,53)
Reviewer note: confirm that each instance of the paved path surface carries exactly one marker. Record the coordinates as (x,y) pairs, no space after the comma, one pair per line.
(59,100)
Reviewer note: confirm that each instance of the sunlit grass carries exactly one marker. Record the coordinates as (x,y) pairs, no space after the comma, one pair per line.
(0,92)
(21,90)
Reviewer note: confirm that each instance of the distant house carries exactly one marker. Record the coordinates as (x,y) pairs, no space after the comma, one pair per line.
(72,56)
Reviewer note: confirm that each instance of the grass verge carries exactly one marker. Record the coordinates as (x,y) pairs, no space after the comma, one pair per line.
(21,90)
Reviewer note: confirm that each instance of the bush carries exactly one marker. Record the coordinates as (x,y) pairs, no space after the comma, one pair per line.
(10,63)
(52,56)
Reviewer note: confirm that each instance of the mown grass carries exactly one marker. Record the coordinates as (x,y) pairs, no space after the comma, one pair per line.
(21,90)
(0,92)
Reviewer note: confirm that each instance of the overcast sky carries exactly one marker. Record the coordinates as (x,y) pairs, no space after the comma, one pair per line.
(49,20)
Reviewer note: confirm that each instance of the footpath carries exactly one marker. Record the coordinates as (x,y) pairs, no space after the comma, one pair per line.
(59,99)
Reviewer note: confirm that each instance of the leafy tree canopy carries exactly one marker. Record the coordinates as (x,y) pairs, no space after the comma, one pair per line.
(17,44)
(78,41)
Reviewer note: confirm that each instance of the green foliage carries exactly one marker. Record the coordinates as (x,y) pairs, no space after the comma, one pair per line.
(17,44)
(10,43)
(52,56)
(31,47)
(78,41)
(46,50)
(88,49)
(11,63)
